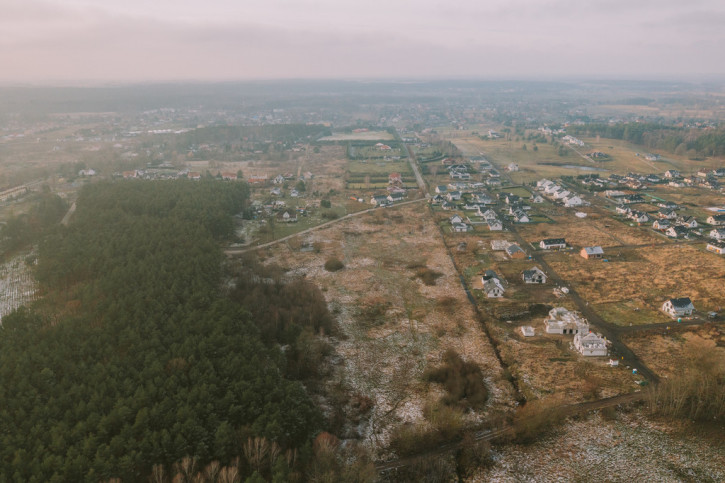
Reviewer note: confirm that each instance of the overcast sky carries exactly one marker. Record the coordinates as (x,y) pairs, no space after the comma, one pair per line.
(157,40)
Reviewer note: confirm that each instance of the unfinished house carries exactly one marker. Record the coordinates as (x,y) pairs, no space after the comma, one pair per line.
(564,321)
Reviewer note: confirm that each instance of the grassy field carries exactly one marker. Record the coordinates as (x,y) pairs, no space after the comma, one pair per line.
(651,275)
(371,152)
(376,169)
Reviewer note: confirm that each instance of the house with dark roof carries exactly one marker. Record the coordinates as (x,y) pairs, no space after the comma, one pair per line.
(592,252)
(678,307)
(534,275)
(552,243)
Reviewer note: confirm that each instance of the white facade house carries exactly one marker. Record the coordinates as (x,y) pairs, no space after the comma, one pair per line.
(716,247)
(717,234)
(527,331)
(571,201)
(494,225)
(564,321)
(534,275)
(493,288)
(678,307)
(590,344)
(552,243)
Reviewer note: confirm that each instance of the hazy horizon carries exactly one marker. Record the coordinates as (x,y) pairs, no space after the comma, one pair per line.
(78,41)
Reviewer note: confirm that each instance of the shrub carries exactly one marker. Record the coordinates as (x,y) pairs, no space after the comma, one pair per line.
(334,265)
(427,275)
(462,380)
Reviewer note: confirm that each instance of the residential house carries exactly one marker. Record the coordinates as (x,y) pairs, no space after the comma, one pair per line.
(454,196)
(441,189)
(623,210)
(521,217)
(552,243)
(590,345)
(687,222)
(716,247)
(512,167)
(461,227)
(537,198)
(279,179)
(294,193)
(639,217)
(229,176)
(667,213)
(678,307)
(527,331)
(632,199)
(437,200)
(667,204)
(661,225)
(515,251)
(395,178)
(676,232)
(672,174)
(447,205)
(564,321)
(493,288)
(571,201)
(396,197)
(592,252)
(455,219)
(493,182)
(716,220)
(288,216)
(534,275)
(379,200)
(489,214)
(494,225)
(717,234)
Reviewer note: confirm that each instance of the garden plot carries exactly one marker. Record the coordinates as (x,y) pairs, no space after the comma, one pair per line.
(17,284)
(631,448)
(651,274)
(394,325)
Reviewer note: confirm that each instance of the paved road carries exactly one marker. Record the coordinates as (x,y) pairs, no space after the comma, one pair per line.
(239,251)
(414,166)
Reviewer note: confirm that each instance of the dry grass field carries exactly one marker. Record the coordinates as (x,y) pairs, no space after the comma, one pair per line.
(664,350)
(393,325)
(649,274)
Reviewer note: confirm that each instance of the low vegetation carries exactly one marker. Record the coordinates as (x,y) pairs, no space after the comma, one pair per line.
(334,265)
(463,381)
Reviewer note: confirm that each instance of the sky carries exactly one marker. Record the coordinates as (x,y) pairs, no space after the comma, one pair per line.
(120,41)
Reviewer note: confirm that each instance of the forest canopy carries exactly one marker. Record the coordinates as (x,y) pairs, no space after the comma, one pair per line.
(134,358)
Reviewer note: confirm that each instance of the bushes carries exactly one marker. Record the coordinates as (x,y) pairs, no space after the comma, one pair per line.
(427,275)
(443,424)
(462,380)
(535,418)
(334,265)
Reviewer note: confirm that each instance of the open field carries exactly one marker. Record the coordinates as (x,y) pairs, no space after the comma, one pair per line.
(394,326)
(595,229)
(649,274)
(629,447)
(359,136)
(665,350)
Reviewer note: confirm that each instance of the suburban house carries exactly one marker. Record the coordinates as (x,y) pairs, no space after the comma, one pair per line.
(437,200)
(678,307)
(440,189)
(718,234)
(527,331)
(537,199)
(495,225)
(623,210)
(286,217)
(534,275)
(564,321)
(592,252)
(573,200)
(672,173)
(379,200)
(661,224)
(521,217)
(716,220)
(454,196)
(687,221)
(493,288)
(716,247)
(394,197)
(461,227)
(552,243)
(590,344)
(515,251)
(667,213)
(455,219)
(395,178)
(639,216)
(676,231)
(489,214)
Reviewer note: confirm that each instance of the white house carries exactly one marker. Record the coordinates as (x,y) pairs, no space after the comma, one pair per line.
(678,307)
(672,173)
(494,225)
(552,243)
(537,199)
(717,234)
(570,201)
(493,288)
(521,217)
(687,221)
(563,321)
(461,227)
(534,275)
(716,247)
(590,345)
(455,219)
(661,224)
(716,220)
(527,331)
